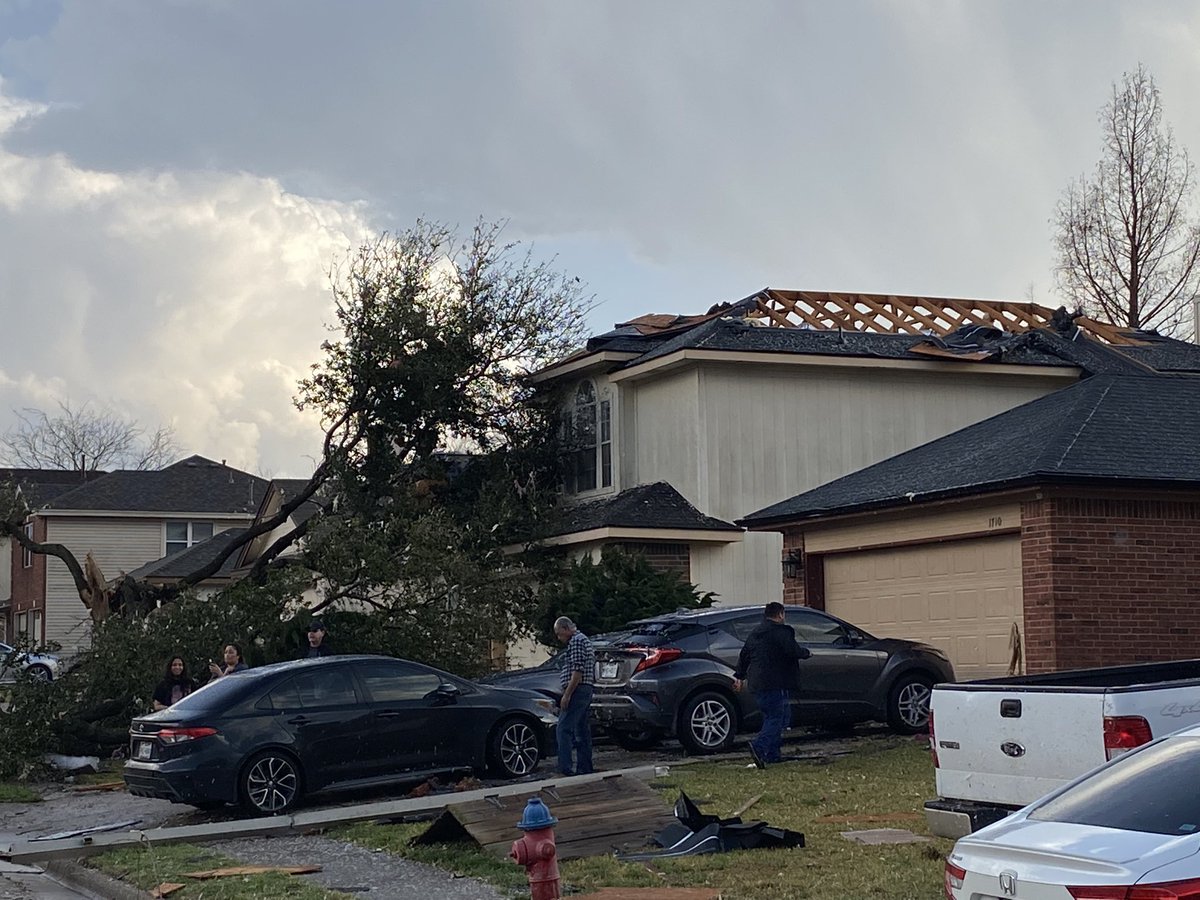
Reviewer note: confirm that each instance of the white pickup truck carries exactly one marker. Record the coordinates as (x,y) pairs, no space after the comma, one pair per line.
(1002,743)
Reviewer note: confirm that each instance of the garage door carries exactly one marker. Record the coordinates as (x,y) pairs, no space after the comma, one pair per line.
(961,596)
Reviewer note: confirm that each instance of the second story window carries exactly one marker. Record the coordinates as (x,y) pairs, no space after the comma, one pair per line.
(27,554)
(588,426)
(181,535)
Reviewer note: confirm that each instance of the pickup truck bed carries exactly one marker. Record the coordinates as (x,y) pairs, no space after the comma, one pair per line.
(1002,743)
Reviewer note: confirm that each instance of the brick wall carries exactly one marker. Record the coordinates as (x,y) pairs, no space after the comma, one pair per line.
(663,557)
(795,589)
(1110,580)
(28,584)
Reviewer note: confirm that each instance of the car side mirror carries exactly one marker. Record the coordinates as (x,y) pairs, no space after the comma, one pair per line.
(446,693)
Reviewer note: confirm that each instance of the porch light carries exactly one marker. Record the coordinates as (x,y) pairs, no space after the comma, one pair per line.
(793,563)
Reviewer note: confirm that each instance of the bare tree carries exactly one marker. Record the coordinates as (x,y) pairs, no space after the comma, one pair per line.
(1127,246)
(85,439)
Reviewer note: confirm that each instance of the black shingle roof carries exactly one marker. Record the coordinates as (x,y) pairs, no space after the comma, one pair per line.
(194,484)
(185,562)
(1141,430)
(655,505)
(737,335)
(40,486)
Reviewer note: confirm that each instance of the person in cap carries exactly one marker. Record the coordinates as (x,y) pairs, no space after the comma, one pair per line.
(769,662)
(317,644)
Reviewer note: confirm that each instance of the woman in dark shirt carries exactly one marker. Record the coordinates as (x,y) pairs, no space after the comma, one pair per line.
(232,657)
(175,684)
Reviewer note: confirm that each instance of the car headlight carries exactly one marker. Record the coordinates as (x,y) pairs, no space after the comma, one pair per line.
(546,706)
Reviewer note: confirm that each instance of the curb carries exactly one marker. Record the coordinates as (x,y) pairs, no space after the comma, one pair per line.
(76,875)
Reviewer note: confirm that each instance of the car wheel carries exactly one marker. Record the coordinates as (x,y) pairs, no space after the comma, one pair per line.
(515,749)
(635,740)
(707,723)
(40,673)
(908,704)
(271,783)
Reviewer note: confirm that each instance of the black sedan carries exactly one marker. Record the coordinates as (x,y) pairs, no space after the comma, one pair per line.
(268,736)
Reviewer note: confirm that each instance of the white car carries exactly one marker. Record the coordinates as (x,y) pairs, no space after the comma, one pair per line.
(1129,830)
(41,666)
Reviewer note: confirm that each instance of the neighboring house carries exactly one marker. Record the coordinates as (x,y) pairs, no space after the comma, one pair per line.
(170,570)
(764,399)
(1073,519)
(37,487)
(126,519)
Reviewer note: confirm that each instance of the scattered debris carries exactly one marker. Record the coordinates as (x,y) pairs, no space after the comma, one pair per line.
(105,786)
(745,806)
(231,871)
(884,836)
(424,789)
(74,764)
(470,783)
(594,819)
(696,832)
(95,829)
(166,889)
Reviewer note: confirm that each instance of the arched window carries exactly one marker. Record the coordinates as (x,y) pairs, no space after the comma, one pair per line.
(589,441)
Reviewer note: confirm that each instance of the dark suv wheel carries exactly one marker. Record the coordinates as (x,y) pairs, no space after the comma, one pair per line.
(908,704)
(707,723)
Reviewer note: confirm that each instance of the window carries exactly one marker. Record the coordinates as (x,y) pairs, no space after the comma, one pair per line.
(23,625)
(813,628)
(181,535)
(587,432)
(315,690)
(37,635)
(393,683)
(27,554)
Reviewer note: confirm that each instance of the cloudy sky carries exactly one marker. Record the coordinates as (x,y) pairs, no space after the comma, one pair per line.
(177,176)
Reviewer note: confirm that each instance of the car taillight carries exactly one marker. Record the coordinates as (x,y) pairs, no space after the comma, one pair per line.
(1123,733)
(954,879)
(656,656)
(933,742)
(179,735)
(1165,890)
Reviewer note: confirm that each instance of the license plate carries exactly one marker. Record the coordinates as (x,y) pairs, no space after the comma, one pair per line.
(143,749)
(608,670)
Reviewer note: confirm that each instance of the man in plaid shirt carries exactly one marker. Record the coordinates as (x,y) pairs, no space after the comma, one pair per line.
(578,675)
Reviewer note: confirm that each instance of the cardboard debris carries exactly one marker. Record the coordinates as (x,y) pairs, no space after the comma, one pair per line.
(231,871)
(166,889)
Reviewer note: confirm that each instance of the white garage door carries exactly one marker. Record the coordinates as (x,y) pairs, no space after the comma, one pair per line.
(961,596)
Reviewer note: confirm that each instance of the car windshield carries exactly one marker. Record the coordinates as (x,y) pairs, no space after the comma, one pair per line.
(1141,792)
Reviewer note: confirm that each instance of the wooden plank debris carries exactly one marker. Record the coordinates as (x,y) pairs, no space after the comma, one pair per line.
(166,889)
(87,844)
(745,806)
(234,871)
(593,819)
(106,786)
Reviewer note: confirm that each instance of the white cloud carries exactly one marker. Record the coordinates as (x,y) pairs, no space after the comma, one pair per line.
(195,298)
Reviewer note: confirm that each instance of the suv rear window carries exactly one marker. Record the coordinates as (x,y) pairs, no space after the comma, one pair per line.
(1139,793)
(656,634)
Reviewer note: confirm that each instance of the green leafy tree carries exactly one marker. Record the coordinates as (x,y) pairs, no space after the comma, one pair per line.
(605,596)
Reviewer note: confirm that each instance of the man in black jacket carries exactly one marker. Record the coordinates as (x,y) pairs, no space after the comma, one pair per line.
(768,661)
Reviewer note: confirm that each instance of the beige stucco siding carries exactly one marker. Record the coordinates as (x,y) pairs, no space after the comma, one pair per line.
(659,437)
(770,433)
(742,572)
(118,544)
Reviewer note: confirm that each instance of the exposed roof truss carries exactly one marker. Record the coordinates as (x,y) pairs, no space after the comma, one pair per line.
(892,314)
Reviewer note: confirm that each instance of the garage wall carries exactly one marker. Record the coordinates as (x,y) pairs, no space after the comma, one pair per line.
(960,595)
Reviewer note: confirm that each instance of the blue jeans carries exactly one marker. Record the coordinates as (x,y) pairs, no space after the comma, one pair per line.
(776,709)
(575,731)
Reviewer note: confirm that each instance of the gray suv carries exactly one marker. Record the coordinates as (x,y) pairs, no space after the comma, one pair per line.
(672,675)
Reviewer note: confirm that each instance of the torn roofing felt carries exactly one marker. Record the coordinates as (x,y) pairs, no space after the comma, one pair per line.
(656,505)
(1138,429)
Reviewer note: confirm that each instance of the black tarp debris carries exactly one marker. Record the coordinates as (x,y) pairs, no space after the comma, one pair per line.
(697,832)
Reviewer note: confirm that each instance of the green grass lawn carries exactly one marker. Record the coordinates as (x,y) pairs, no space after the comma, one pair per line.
(148,868)
(15,792)
(882,785)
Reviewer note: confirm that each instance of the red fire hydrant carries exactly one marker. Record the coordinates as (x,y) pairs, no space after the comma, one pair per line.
(536,851)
